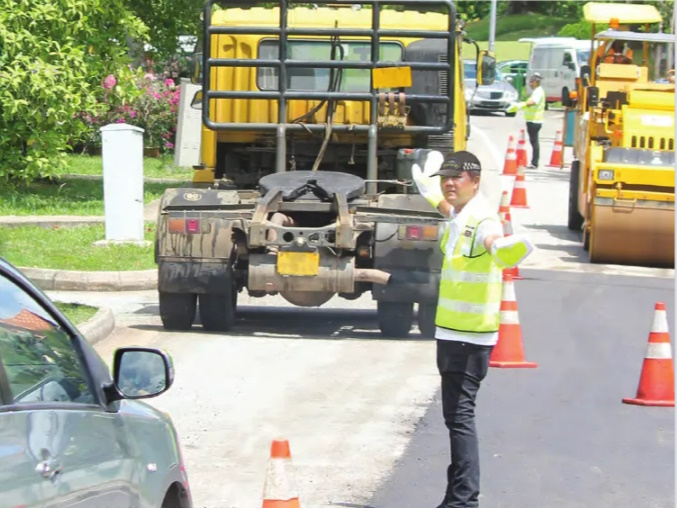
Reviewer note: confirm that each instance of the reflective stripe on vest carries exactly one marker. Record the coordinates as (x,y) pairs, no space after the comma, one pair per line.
(536,112)
(471,284)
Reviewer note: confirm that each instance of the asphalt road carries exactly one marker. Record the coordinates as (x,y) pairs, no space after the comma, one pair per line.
(558,436)
(362,413)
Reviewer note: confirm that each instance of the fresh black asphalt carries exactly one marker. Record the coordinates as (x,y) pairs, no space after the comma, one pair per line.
(558,436)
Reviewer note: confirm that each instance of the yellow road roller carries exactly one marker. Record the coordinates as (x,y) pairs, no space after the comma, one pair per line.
(622,183)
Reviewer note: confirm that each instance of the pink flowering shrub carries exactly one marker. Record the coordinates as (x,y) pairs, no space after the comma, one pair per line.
(136,98)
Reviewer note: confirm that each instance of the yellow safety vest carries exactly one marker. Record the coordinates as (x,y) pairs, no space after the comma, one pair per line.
(471,284)
(536,112)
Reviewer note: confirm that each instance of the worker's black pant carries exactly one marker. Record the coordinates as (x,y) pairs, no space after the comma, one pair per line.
(533,130)
(462,366)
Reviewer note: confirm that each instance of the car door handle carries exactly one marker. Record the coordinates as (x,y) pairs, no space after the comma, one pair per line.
(48,468)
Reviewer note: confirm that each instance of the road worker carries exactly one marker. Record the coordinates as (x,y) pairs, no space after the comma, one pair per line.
(467,316)
(534,112)
(618,54)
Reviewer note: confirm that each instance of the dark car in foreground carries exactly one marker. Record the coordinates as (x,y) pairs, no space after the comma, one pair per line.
(72,434)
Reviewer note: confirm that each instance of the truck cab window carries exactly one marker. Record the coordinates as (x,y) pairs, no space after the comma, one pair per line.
(317,79)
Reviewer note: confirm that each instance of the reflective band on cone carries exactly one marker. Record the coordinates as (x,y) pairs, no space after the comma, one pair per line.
(519,191)
(522,150)
(657,379)
(507,231)
(510,165)
(504,206)
(279,490)
(556,156)
(509,350)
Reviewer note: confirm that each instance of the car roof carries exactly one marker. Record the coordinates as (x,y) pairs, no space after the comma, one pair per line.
(6,266)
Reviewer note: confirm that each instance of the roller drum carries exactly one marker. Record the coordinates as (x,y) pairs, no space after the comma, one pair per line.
(638,233)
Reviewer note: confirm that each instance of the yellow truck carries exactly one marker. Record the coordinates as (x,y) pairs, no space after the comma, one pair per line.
(312,120)
(622,183)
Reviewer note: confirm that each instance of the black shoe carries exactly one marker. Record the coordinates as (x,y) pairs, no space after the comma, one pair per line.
(445,503)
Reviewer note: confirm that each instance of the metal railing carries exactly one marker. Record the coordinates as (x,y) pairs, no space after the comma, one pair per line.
(283,64)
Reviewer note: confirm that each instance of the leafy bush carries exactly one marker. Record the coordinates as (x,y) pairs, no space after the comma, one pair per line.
(137,98)
(580,30)
(52,55)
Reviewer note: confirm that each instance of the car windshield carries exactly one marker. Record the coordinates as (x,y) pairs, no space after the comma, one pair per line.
(582,55)
(36,354)
(470,71)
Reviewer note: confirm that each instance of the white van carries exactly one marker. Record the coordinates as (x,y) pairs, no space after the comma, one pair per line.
(559,61)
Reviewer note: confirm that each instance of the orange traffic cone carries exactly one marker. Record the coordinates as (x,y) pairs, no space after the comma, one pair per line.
(278,490)
(519,190)
(657,380)
(504,205)
(522,150)
(556,156)
(509,350)
(510,165)
(507,231)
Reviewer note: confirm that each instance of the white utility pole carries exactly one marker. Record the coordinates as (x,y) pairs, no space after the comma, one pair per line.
(492,26)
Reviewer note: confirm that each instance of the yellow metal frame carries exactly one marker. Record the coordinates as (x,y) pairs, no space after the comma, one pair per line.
(635,175)
(348,112)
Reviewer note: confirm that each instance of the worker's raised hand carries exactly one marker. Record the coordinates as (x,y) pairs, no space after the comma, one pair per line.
(429,186)
(515,106)
(511,250)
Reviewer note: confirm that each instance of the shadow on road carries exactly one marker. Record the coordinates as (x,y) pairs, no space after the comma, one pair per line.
(294,323)
(557,231)
(546,175)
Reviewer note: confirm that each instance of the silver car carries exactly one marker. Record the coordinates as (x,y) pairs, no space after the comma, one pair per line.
(495,97)
(72,435)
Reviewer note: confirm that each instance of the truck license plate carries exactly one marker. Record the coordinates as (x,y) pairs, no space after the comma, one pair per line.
(298,263)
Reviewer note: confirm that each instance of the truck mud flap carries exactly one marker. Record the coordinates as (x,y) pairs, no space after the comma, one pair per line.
(194,276)
(410,286)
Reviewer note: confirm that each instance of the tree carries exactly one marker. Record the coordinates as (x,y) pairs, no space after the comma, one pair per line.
(166,20)
(52,55)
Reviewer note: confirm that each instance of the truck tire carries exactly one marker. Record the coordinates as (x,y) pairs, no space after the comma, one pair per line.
(177,310)
(217,311)
(575,222)
(426,319)
(395,318)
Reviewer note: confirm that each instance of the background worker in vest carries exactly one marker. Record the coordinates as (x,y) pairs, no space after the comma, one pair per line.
(467,318)
(534,111)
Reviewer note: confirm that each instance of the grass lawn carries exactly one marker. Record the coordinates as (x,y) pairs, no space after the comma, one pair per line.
(512,28)
(153,167)
(507,50)
(70,197)
(33,246)
(76,313)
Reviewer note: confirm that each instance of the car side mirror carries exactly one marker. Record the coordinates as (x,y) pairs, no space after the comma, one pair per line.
(571,66)
(196,78)
(140,373)
(509,79)
(486,68)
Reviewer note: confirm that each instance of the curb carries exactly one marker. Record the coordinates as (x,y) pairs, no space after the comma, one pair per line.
(146,179)
(67,280)
(150,211)
(99,326)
